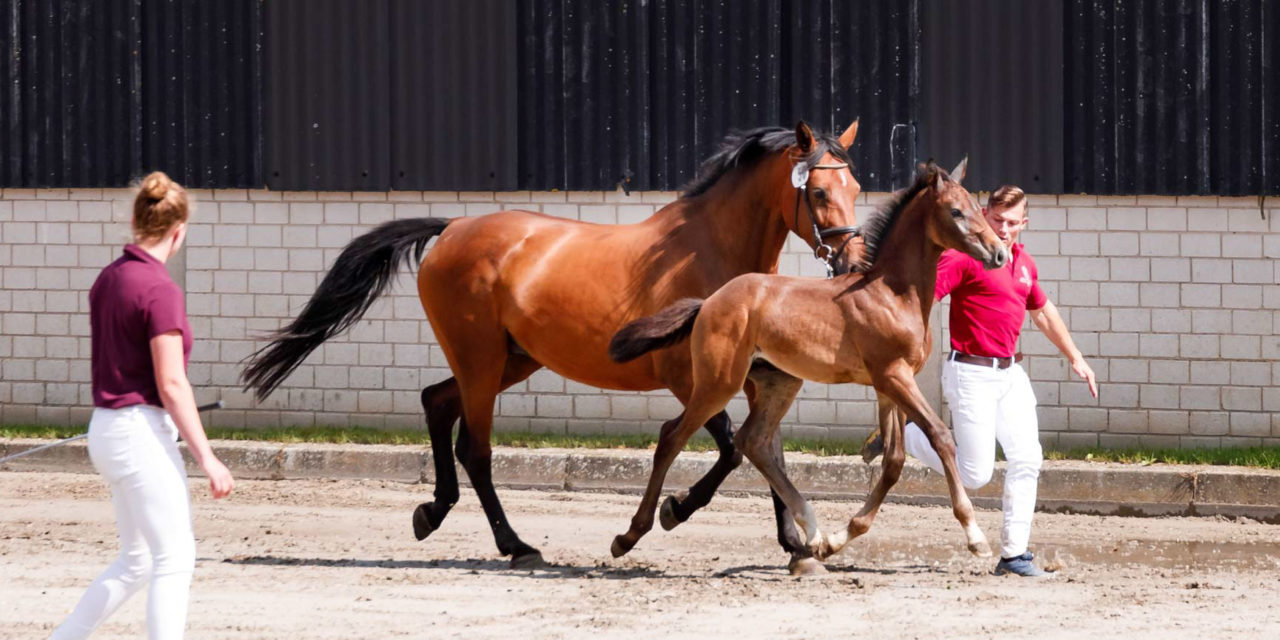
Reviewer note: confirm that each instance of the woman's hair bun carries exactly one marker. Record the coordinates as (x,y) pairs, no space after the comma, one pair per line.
(155,186)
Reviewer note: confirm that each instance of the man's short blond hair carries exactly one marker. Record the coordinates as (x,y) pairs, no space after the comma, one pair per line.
(1006,197)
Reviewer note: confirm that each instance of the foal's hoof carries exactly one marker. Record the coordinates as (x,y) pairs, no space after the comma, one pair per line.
(620,546)
(805,567)
(531,560)
(980,549)
(667,514)
(422,526)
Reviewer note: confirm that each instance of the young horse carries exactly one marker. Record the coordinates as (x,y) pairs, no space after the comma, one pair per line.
(869,327)
(511,292)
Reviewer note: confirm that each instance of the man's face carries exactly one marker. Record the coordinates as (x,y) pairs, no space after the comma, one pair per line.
(1007,222)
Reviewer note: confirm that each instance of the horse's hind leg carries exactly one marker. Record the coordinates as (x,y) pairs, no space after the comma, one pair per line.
(760,440)
(479,366)
(442,405)
(675,434)
(676,509)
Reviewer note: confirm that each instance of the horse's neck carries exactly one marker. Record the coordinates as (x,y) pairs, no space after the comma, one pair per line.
(737,223)
(907,262)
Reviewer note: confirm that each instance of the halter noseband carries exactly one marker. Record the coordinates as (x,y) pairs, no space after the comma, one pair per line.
(823,252)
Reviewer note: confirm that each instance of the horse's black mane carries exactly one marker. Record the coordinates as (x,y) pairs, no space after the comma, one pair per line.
(878,226)
(744,148)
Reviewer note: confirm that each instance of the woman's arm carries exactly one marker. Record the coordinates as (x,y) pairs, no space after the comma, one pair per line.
(180,402)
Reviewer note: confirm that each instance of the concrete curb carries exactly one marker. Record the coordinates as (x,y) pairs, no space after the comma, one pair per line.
(1065,486)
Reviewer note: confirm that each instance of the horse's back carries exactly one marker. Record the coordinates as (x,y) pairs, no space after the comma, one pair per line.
(559,288)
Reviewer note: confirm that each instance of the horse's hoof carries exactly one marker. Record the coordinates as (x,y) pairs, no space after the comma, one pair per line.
(422,526)
(620,546)
(667,514)
(980,549)
(806,567)
(531,560)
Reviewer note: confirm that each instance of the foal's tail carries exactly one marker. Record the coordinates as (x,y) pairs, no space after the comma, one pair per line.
(361,274)
(662,329)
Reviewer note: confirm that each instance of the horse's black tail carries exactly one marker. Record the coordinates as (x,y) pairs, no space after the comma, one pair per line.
(361,274)
(662,329)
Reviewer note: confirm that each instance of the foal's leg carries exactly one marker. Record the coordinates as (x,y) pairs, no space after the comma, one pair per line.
(676,509)
(891,423)
(900,385)
(675,434)
(443,406)
(761,441)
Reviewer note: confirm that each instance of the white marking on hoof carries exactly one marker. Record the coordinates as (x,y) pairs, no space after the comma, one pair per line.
(835,543)
(977,541)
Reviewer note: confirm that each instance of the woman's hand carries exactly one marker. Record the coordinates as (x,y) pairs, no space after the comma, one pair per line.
(220,481)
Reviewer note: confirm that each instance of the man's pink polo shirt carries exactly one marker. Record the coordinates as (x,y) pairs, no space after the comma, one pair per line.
(987,307)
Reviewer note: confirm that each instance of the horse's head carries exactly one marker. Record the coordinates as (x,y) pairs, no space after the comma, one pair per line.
(955,220)
(825,193)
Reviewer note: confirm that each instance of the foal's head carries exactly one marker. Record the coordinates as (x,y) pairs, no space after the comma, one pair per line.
(955,220)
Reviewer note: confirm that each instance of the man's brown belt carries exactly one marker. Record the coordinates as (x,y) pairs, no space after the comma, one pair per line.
(985,361)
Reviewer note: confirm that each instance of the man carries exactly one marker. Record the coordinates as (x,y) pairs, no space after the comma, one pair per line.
(989,394)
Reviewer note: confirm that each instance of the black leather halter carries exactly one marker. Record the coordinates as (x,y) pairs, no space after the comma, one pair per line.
(823,251)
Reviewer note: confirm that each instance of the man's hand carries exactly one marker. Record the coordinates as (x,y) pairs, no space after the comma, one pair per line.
(1083,370)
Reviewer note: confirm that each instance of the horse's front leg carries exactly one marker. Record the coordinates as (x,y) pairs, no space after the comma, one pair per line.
(891,423)
(675,433)
(900,386)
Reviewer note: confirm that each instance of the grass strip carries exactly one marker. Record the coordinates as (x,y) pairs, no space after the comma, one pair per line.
(1257,457)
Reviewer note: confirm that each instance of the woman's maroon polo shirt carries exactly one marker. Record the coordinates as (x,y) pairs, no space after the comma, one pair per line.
(132,301)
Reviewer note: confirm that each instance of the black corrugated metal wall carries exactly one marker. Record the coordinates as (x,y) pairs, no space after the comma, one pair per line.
(994,73)
(97,92)
(1172,96)
(1156,96)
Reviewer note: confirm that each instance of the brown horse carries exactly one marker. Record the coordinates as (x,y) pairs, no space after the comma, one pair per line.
(511,292)
(869,327)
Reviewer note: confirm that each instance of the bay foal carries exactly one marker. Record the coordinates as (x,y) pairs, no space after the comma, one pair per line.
(869,327)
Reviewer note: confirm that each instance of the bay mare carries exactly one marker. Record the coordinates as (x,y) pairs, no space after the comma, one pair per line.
(509,293)
(869,326)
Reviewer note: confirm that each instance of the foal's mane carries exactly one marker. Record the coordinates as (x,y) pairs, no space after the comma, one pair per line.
(878,226)
(745,148)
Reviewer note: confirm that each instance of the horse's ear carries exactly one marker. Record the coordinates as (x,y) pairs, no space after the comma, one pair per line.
(939,175)
(957,174)
(804,137)
(846,138)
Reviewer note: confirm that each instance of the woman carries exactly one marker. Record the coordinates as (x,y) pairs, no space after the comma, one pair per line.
(142,400)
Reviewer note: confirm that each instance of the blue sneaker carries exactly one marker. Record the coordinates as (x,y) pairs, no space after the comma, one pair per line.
(1021,566)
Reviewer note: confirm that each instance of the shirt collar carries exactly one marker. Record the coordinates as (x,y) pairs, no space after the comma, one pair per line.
(138,253)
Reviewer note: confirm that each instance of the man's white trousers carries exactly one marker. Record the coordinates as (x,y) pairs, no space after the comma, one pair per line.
(990,405)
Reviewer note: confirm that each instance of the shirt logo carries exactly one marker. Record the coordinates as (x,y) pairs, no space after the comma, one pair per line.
(1026,276)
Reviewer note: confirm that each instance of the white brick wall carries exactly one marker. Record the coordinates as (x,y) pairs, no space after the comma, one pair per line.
(1174,301)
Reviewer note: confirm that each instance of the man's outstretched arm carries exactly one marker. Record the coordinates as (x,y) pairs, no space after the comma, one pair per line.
(1050,324)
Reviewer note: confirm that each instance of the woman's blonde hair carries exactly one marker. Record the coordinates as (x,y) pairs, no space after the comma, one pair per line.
(160,204)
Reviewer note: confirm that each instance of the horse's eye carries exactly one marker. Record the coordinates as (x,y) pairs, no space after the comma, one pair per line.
(957,214)
(819,194)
